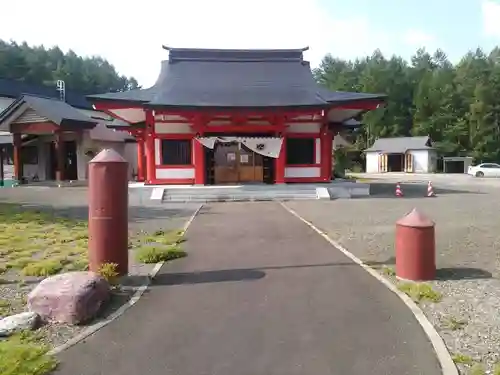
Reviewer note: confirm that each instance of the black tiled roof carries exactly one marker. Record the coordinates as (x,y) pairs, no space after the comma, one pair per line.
(60,113)
(14,89)
(203,78)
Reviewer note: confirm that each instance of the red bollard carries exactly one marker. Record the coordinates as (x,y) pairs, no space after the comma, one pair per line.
(108,211)
(415,247)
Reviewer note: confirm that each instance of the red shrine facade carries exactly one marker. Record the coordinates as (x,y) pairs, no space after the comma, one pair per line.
(234,116)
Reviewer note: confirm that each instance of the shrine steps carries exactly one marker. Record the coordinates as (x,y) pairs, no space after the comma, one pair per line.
(242,193)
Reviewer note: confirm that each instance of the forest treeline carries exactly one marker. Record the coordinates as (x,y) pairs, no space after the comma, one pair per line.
(457,105)
(44,66)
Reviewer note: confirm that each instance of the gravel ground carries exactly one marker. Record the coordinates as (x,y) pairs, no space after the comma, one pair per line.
(71,202)
(467,244)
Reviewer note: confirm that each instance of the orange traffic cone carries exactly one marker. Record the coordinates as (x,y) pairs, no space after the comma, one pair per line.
(430,190)
(399,191)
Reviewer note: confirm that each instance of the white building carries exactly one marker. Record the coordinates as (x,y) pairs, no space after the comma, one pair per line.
(403,154)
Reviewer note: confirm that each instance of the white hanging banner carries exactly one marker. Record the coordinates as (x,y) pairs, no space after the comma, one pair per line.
(270,147)
(208,142)
(267,146)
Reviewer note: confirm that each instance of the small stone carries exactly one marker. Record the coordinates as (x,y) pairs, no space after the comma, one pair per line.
(19,322)
(73,297)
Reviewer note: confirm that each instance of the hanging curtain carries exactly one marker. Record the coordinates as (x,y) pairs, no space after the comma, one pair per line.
(267,146)
(208,142)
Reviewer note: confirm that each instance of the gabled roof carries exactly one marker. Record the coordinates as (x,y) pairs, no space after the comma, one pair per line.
(400,145)
(56,111)
(11,88)
(202,78)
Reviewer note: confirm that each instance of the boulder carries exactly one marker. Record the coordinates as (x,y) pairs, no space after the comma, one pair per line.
(73,297)
(18,322)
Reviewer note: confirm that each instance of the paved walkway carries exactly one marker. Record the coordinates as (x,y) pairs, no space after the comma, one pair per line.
(259,294)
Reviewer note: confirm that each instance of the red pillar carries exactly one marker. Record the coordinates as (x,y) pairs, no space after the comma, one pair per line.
(326,145)
(60,159)
(199,162)
(280,163)
(18,167)
(140,157)
(108,211)
(150,148)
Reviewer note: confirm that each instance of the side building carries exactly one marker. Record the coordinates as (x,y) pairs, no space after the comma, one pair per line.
(44,138)
(401,154)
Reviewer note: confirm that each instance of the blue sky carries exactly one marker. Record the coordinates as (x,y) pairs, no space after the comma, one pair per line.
(453,25)
(130,33)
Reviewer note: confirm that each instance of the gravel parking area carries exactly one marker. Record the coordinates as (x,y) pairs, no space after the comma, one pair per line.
(467,240)
(71,202)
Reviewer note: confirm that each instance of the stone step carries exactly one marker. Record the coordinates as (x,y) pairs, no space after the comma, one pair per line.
(236,194)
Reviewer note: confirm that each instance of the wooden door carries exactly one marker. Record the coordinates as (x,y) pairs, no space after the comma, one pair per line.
(250,168)
(226,163)
(235,164)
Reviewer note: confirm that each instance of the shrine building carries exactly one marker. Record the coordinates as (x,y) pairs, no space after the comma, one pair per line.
(234,116)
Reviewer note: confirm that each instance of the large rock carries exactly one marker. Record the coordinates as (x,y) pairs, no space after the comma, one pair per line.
(18,322)
(73,297)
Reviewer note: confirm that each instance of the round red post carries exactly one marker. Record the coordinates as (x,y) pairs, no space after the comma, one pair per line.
(415,247)
(108,211)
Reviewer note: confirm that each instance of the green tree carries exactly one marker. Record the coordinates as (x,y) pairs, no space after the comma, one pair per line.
(38,65)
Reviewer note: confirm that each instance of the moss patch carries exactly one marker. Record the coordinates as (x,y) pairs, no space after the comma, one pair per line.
(420,292)
(35,243)
(154,254)
(23,354)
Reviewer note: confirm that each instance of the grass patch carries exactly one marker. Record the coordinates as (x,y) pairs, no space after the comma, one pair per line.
(154,254)
(388,271)
(36,243)
(477,369)
(23,354)
(462,359)
(420,292)
(4,307)
(46,267)
(455,324)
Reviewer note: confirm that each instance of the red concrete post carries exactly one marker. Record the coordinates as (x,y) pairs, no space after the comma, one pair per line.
(108,211)
(415,247)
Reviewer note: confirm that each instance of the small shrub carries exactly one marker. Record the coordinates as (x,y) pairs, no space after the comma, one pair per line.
(4,307)
(78,265)
(388,271)
(45,268)
(455,324)
(109,272)
(477,369)
(3,269)
(19,263)
(420,292)
(155,254)
(356,168)
(462,359)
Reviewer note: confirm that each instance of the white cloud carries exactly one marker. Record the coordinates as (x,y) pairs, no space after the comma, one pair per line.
(418,38)
(491,18)
(130,33)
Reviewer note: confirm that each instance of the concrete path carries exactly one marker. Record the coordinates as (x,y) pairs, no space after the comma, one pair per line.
(259,294)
